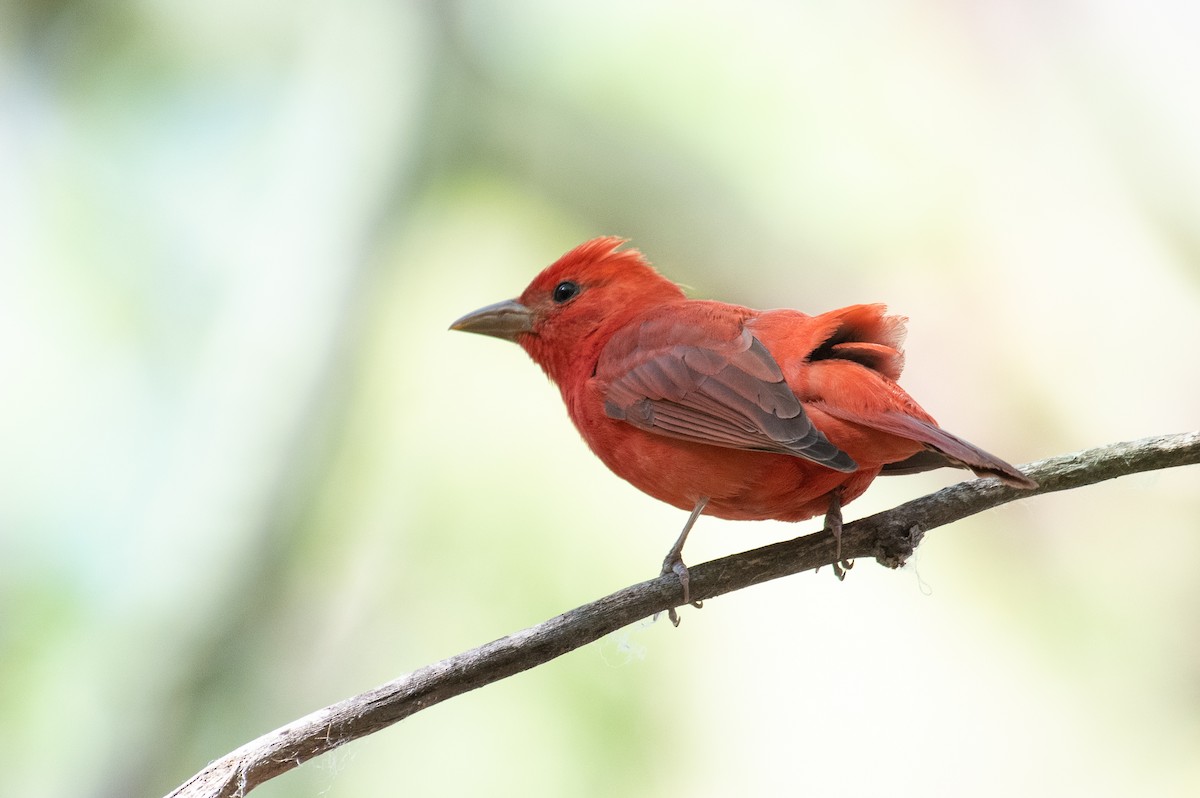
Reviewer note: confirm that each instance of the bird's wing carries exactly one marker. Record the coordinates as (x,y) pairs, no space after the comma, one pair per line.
(703,377)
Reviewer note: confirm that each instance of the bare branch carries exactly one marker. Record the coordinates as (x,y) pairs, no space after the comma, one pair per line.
(889,536)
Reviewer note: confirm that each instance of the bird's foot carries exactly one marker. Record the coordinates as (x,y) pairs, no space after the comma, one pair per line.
(833,525)
(673,564)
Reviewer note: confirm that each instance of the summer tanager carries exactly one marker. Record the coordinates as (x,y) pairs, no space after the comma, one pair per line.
(720,409)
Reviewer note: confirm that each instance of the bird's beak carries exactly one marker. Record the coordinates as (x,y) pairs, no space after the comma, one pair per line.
(505,320)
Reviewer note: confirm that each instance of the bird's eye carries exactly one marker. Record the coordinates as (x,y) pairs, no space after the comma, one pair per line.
(565,290)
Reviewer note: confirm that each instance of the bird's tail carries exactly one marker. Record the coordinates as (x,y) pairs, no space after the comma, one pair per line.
(951,450)
(941,448)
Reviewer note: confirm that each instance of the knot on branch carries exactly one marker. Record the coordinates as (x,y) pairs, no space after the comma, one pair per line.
(894,548)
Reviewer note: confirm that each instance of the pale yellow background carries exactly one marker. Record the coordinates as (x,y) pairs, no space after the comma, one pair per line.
(245,470)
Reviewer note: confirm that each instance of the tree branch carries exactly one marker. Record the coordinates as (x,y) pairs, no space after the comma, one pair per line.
(888,536)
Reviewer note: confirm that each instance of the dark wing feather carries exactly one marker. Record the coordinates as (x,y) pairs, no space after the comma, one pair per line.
(728,393)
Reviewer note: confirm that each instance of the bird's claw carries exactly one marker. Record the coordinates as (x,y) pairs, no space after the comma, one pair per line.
(674,565)
(833,525)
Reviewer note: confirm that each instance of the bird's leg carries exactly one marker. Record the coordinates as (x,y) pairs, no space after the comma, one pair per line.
(833,525)
(673,562)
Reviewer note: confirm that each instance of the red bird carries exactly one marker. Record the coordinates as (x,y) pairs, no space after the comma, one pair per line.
(720,409)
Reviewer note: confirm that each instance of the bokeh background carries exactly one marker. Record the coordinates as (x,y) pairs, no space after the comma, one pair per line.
(245,470)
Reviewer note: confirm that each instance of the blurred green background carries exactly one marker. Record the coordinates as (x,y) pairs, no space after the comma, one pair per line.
(247,472)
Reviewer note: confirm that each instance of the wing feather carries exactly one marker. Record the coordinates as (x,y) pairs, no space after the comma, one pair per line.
(674,379)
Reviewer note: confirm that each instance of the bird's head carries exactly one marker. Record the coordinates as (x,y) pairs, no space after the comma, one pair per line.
(570,310)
